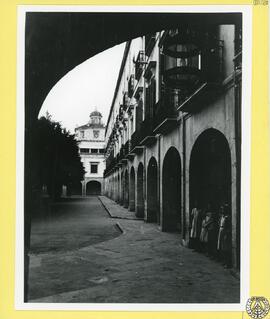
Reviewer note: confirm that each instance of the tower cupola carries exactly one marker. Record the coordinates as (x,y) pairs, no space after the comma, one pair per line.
(95,117)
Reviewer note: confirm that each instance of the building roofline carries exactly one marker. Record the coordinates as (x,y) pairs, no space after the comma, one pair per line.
(118,81)
(91,125)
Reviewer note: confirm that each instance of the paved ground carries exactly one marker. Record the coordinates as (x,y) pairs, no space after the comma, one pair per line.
(92,261)
(117,211)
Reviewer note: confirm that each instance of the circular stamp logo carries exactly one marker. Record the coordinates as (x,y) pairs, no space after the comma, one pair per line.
(257,307)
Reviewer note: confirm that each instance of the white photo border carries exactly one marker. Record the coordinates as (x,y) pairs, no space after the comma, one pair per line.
(246,11)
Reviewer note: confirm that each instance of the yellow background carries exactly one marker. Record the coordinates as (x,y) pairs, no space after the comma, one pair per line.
(260,213)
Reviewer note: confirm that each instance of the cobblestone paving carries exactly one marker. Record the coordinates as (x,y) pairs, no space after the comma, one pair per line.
(142,265)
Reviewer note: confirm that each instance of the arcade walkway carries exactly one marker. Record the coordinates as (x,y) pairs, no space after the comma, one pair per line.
(79,255)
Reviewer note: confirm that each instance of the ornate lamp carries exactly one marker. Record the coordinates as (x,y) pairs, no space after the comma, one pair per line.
(182,61)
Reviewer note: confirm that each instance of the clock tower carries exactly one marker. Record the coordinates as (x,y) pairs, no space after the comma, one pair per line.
(91,143)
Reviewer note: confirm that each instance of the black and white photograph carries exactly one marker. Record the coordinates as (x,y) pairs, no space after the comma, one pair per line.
(135,144)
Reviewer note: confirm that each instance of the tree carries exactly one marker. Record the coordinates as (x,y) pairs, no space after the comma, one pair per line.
(57,156)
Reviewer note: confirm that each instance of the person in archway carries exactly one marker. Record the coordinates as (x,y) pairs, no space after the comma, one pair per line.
(224,236)
(196,225)
(204,231)
(212,233)
(209,231)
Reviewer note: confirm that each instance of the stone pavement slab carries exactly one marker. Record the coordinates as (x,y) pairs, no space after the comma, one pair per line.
(117,211)
(141,265)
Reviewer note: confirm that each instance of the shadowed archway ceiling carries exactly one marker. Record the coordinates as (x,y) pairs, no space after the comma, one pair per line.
(57,42)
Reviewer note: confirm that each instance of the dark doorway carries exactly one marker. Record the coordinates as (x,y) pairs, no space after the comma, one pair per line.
(152,192)
(126,189)
(140,192)
(93,188)
(122,186)
(171,191)
(132,190)
(210,170)
(118,197)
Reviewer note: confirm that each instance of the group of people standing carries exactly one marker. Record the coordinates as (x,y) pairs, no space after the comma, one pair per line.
(210,232)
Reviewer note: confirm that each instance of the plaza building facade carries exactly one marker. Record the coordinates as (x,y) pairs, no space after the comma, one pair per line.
(173,136)
(91,143)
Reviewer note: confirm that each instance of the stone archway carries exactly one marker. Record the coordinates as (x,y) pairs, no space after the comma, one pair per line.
(210,170)
(140,192)
(210,178)
(152,191)
(122,195)
(126,191)
(93,188)
(132,190)
(118,188)
(171,191)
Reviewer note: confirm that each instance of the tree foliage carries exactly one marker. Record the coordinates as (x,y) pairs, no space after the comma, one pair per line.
(58,156)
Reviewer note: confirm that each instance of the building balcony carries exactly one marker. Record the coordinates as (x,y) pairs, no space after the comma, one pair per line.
(135,146)
(139,64)
(131,155)
(110,163)
(165,113)
(151,66)
(206,93)
(160,119)
(150,40)
(124,151)
(192,64)
(148,136)
(113,162)
(143,136)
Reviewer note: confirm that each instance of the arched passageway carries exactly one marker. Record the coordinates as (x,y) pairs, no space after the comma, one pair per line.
(122,195)
(210,170)
(132,190)
(118,188)
(126,190)
(140,192)
(171,191)
(114,188)
(210,189)
(152,192)
(93,188)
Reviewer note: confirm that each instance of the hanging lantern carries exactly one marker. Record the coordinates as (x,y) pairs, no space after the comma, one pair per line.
(182,57)
(183,42)
(191,55)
